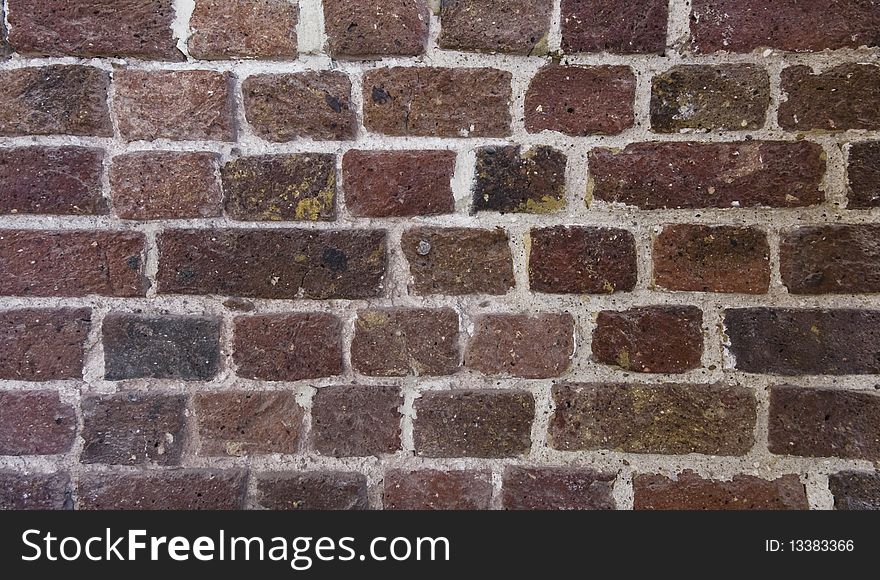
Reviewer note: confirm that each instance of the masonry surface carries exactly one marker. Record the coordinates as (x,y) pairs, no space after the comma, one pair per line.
(458,254)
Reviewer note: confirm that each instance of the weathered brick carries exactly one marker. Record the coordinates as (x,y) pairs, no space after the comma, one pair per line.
(582,260)
(437,102)
(133,429)
(398,183)
(841,98)
(473,423)
(169,489)
(698,175)
(804,342)
(160,347)
(94,28)
(306,105)
(855,490)
(35,491)
(665,419)
(580,100)
(429,489)
(35,423)
(55,100)
(312,490)
(240,423)
(795,25)
(71,263)
(688,491)
(650,339)
(556,488)
(149,185)
(281,187)
(288,347)
(4,45)
(631,27)
(356,421)
(223,29)
(495,26)
(537,346)
(276,263)
(176,105)
(729,97)
(510,181)
(396,342)
(695,258)
(824,423)
(368,30)
(457,261)
(51,180)
(863,173)
(43,344)
(831,259)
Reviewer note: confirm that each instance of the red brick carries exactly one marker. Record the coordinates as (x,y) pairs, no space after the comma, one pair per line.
(224,29)
(376,29)
(36,491)
(473,423)
(863,172)
(841,98)
(71,263)
(437,102)
(582,260)
(51,180)
(306,105)
(175,105)
(694,258)
(43,344)
(288,347)
(398,183)
(508,180)
(321,264)
(538,346)
(579,101)
(556,488)
(698,175)
(167,489)
(495,26)
(662,419)
(688,491)
(55,100)
(855,490)
(35,423)
(631,27)
(831,259)
(429,489)
(149,185)
(242,423)
(312,490)
(356,421)
(651,339)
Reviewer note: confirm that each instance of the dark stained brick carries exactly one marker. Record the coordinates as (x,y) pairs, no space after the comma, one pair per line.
(510,181)
(43,344)
(840,98)
(430,489)
(556,488)
(36,491)
(831,259)
(864,175)
(168,489)
(634,26)
(854,490)
(356,421)
(315,490)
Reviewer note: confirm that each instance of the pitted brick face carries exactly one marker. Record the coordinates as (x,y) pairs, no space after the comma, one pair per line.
(229,29)
(240,423)
(377,29)
(312,490)
(631,27)
(688,491)
(510,180)
(431,489)
(495,26)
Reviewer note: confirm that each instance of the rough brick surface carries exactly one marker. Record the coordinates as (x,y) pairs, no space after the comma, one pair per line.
(634,26)
(854,490)
(186,489)
(43,344)
(34,491)
(432,489)
(509,180)
(239,423)
(315,490)
(831,259)
(223,29)
(495,26)
(356,421)
(688,491)
(35,423)
(863,172)
(558,488)
(838,99)
(366,30)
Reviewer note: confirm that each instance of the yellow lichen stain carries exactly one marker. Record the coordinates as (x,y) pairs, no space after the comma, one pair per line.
(546,204)
(622,359)
(608,287)
(591,187)
(372,319)
(300,258)
(815,330)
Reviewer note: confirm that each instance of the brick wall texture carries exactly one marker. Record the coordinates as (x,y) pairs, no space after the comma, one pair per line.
(425,254)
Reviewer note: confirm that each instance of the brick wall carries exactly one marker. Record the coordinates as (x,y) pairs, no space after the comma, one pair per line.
(471,254)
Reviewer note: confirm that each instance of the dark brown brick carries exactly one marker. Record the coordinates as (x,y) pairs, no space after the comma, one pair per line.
(665,419)
(149,185)
(176,105)
(824,423)
(55,100)
(429,489)
(288,347)
(556,488)
(312,490)
(510,181)
(168,489)
(631,27)
(43,344)
(133,429)
(276,263)
(298,187)
(71,263)
(804,342)
(855,490)
(473,423)
(36,491)
(841,98)
(579,100)
(242,423)
(437,102)
(4,45)
(356,421)
(688,491)
(863,172)
(224,29)
(698,175)
(495,26)
(537,346)
(398,183)
(457,261)
(831,259)
(376,29)
(306,105)
(695,258)
(582,260)
(35,423)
